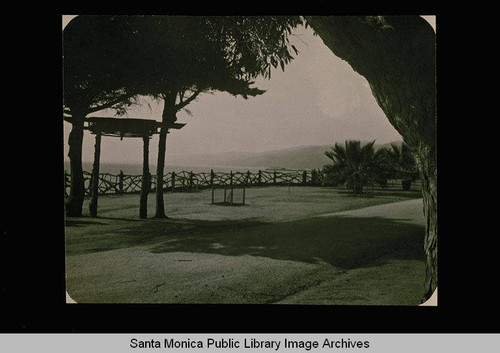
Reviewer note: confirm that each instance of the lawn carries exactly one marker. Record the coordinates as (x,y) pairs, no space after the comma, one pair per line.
(298,245)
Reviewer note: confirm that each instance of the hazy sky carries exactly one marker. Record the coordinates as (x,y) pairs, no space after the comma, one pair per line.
(317,100)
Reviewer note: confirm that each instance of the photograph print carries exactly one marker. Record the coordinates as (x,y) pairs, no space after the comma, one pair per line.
(250,159)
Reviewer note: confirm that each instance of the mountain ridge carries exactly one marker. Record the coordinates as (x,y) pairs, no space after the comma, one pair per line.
(299,157)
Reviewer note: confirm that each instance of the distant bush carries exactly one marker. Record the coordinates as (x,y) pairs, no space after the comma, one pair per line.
(406,184)
(330,176)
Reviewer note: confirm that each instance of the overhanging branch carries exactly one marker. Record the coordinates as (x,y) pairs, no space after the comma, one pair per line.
(185,102)
(110,104)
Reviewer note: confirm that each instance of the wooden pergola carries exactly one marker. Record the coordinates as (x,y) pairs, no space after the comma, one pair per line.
(123,127)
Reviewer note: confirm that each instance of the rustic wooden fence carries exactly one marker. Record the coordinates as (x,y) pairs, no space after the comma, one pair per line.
(189,181)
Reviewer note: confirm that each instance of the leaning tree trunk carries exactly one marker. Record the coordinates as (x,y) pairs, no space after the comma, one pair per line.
(168,116)
(160,168)
(74,203)
(396,54)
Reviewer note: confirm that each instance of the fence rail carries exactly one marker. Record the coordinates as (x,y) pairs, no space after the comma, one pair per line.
(186,181)
(189,181)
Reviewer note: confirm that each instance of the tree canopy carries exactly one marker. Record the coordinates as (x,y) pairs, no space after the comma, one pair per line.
(109,59)
(95,67)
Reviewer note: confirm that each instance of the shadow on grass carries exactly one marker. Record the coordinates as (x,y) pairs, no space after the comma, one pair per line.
(411,194)
(80,223)
(344,242)
(100,236)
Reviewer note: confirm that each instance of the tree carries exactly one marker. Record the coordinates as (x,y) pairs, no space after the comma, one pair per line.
(354,164)
(193,55)
(403,164)
(397,56)
(111,59)
(94,72)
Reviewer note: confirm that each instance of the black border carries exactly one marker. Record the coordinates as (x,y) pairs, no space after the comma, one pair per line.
(34,241)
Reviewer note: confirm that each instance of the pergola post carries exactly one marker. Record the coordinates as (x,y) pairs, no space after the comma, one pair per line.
(94,191)
(231,184)
(212,183)
(143,207)
(120,182)
(128,127)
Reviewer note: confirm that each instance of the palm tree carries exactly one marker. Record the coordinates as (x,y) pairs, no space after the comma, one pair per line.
(353,164)
(403,164)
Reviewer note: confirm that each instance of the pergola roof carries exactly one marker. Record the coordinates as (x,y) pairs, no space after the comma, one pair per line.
(126,127)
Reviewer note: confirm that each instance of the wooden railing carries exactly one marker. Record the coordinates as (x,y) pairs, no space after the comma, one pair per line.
(189,181)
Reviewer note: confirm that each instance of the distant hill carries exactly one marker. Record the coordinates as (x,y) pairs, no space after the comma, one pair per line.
(303,157)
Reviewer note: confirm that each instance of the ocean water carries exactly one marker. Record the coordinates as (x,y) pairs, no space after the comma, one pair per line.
(136,169)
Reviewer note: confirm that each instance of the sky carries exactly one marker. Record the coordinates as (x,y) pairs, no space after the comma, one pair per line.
(318,100)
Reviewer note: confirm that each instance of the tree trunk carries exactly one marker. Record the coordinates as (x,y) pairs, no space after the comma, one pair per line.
(143,206)
(74,203)
(94,187)
(426,163)
(396,54)
(168,116)
(160,168)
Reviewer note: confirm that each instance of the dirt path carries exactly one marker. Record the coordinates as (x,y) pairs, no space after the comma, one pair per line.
(371,255)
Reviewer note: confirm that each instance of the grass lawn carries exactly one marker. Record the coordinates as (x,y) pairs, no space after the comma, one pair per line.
(298,245)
